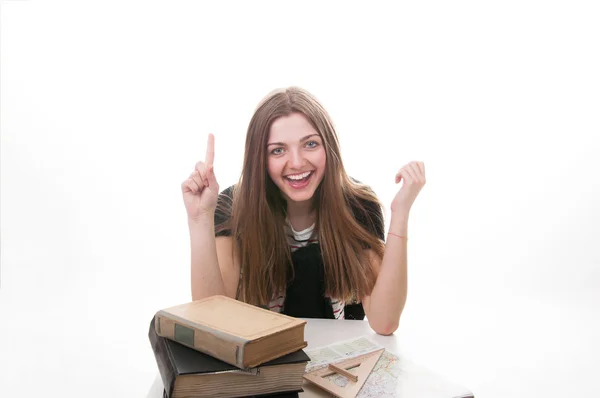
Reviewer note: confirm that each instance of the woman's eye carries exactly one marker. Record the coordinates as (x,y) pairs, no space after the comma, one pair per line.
(312,144)
(277,151)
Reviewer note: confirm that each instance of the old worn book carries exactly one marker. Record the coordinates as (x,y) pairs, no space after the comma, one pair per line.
(186,373)
(232,331)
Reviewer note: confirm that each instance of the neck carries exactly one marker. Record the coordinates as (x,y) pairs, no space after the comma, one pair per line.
(300,214)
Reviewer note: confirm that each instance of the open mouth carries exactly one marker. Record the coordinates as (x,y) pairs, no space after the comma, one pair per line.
(299,180)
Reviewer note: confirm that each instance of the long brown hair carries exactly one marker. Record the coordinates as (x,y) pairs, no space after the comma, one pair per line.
(258,211)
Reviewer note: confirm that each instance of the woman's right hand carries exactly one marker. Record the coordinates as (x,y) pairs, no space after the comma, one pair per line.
(201,190)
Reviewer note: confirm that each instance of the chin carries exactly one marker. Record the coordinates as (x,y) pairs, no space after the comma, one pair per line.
(299,196)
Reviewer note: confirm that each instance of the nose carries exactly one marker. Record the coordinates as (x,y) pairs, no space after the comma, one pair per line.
(296,160)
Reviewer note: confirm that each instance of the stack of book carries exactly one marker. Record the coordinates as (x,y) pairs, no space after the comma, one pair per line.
(221,347)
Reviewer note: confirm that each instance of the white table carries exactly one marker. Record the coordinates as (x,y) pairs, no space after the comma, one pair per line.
(416,381)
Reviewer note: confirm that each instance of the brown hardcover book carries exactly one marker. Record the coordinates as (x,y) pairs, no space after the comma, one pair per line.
(186,372)
(240,334)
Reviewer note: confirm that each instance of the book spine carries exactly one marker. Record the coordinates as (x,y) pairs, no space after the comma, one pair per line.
(212,342)
(164,360)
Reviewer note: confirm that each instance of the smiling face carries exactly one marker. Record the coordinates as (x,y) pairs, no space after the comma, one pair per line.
(295,157)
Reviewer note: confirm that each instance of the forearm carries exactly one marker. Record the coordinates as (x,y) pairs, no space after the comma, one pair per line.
(206,279)
(389,293)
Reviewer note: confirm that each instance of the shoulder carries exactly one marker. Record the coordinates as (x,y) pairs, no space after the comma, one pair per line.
(367,209)
(363,198)
(223,212)
(227,193)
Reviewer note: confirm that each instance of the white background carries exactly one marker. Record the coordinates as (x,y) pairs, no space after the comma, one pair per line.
(106,106)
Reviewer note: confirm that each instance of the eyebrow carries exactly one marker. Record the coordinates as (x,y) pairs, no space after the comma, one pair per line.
(301,139)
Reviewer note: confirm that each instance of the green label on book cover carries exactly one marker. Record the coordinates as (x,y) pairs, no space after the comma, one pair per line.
(184,335)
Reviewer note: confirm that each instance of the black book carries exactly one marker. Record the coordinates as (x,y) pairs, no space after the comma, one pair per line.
(188,372)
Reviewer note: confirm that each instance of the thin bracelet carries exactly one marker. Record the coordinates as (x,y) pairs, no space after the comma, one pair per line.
(399,236)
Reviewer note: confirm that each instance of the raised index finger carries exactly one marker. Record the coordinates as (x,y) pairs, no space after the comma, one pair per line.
(210,151)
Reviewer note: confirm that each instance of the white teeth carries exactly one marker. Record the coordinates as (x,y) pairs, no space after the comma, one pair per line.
(298,176)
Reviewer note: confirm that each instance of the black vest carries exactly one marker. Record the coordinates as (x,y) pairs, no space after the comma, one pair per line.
(305,296)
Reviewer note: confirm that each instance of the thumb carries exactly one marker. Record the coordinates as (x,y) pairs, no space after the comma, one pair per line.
(212,179)
(398,178)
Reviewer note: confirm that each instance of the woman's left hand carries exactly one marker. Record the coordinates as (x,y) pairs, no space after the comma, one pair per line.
(412,176)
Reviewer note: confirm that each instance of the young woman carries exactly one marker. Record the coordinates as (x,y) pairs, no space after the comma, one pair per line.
(296,234)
